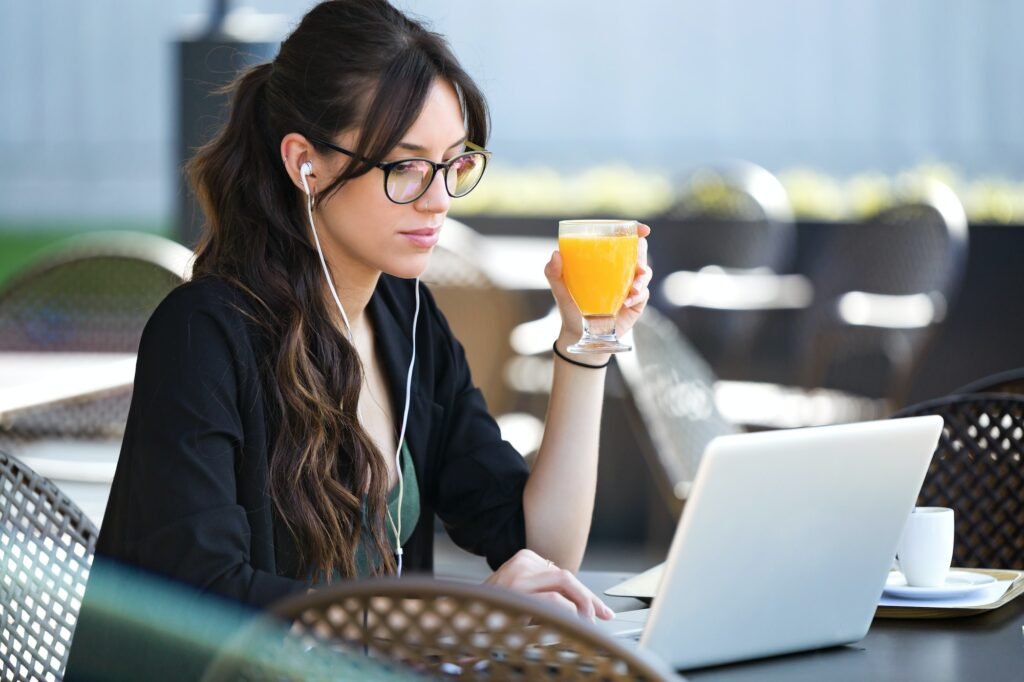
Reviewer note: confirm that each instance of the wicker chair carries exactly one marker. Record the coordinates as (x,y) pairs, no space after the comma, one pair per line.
(482,315)
(978,471)
(1010,381)
(671,404)
(46,549)
(435,628)
(734,219)
(881,289)
(90,294)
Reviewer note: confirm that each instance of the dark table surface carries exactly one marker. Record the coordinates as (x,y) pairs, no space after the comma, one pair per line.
(987,647)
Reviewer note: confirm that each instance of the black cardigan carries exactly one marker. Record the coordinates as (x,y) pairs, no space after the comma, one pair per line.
(189,499)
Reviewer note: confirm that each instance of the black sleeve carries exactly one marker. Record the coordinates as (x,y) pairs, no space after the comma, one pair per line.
(184,441)
(481,480)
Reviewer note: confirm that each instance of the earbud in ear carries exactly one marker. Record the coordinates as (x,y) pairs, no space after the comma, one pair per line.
(304,170)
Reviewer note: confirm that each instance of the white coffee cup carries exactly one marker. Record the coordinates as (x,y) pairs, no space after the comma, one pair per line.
(925,551)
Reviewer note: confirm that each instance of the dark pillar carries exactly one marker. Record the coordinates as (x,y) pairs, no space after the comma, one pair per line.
(207,60)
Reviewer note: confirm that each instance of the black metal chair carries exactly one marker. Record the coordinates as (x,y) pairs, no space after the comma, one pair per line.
(439,629)
(881,289)
(670,404)
(1010,381)
(978,470)
(46,549)
(730,224)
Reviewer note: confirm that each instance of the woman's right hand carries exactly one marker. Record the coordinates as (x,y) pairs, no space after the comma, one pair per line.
(529,573)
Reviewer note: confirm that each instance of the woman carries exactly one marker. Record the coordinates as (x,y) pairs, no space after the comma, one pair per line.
(281,435)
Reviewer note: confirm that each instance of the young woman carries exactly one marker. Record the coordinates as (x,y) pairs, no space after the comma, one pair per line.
(301,409)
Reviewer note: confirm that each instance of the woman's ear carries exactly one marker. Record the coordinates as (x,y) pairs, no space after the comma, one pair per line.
(296,151)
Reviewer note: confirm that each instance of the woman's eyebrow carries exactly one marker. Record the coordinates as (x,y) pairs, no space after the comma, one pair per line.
(423,150)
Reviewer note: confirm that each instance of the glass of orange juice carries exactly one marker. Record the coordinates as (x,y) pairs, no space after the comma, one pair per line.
(598,267)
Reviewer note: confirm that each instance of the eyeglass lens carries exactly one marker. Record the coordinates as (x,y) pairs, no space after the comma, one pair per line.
(409,179)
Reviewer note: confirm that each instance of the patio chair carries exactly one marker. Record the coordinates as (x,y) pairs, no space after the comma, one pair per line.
(90,294)
(720,251)
(482,315)
(46,549)
(978,471)
(436,628)
(881,290)
(93,293)
(1010,381)
(670,404)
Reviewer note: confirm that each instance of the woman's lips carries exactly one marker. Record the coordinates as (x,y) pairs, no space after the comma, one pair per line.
(424,238)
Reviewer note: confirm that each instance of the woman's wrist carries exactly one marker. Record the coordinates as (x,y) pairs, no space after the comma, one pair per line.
(587,360)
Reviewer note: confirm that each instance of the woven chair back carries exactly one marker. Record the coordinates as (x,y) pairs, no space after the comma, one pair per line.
(481,314)
(671,404)
(46,549)
(435,628)
(1011,381)
(977,470)
(93,293)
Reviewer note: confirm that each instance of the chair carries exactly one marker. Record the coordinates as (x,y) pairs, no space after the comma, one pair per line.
(881,289)
(438,629)
(1010,381)
(720,250)
(93,293)
(46,549)
(977,470)
(671,404)
(482,316)
(90,294)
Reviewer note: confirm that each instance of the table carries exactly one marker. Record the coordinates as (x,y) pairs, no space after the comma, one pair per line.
(82,468)
(988,647)
(30,380)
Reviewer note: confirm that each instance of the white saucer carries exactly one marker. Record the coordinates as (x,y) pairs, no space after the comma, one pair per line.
(958,584)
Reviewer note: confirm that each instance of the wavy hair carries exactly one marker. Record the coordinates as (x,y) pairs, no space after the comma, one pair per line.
(350,64)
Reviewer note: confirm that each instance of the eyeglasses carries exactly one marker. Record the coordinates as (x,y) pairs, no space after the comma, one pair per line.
(406,180)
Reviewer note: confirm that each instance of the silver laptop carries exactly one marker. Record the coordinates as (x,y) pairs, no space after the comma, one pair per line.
(785,542)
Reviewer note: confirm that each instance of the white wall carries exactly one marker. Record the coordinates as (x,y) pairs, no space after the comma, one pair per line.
(87,116)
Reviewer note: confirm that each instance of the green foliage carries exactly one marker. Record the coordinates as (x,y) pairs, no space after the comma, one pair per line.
(620,190)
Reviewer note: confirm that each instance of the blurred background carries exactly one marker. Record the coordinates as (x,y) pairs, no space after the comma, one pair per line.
(836,191)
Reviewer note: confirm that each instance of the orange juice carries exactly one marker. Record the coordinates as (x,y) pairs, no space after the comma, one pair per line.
(598,270)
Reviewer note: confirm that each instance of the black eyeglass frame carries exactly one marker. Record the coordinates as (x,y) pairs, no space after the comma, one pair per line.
(434,167)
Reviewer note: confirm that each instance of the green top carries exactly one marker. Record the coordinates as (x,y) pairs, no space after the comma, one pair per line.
(410,512)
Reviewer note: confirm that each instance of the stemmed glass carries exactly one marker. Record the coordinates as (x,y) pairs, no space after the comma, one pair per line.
(598,266)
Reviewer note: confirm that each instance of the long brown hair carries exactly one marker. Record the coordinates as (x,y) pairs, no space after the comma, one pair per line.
(349,64)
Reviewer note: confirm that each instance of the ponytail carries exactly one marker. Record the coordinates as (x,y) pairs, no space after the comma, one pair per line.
(350,64)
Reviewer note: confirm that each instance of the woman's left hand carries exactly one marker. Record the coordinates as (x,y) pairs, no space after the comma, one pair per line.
(632,307)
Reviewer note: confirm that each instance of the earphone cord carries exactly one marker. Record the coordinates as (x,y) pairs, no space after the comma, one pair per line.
(323,262)
(401,436)
(397,528)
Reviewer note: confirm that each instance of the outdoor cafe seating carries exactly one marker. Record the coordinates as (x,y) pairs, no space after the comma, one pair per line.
(673,404)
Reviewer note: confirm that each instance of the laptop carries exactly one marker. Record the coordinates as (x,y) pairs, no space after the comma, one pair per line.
(784,545)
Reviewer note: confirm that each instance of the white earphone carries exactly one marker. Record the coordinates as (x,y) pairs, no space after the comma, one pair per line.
(304,171)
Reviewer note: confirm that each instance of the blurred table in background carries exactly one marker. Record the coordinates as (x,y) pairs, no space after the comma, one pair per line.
(42,399)
(30,380)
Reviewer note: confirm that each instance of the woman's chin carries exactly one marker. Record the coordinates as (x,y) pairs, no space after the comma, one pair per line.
(410,268)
